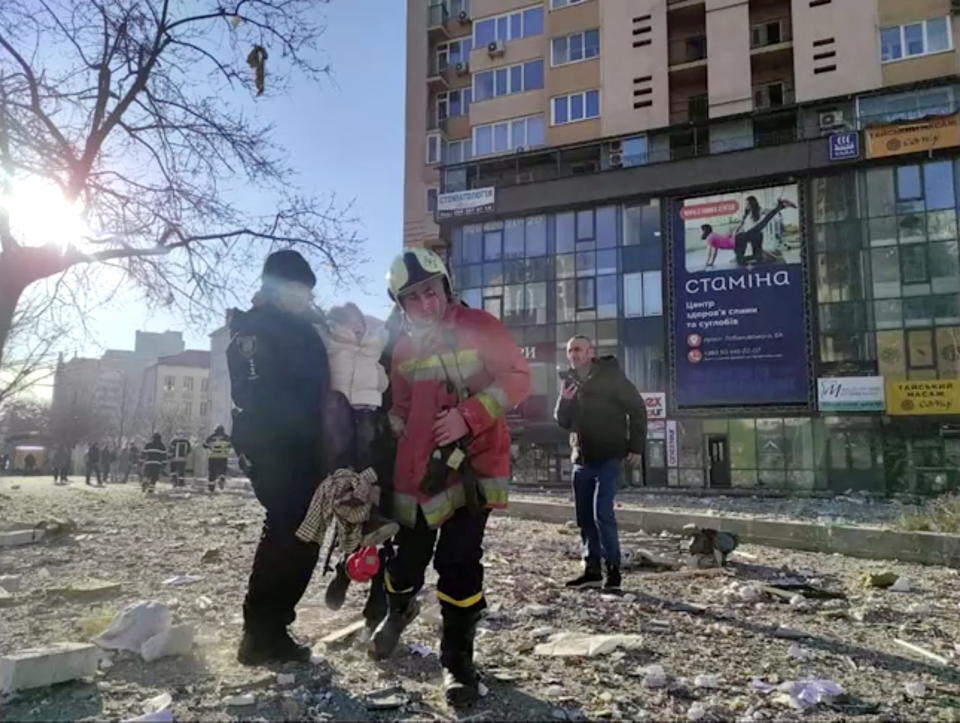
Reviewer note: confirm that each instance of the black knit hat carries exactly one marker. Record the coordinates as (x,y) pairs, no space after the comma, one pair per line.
(290,266)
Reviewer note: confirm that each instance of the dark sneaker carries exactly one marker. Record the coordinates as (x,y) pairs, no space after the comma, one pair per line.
(279,648)
(337,589)
(613,578)
(388,632)
(590,578)
(378,529)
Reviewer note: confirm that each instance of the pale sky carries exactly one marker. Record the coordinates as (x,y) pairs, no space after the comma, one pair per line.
(344,136)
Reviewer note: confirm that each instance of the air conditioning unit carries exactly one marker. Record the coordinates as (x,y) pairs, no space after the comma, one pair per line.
(830,119)
(462,68)
(519,149)
(464,17)
(496,48)
(616,159)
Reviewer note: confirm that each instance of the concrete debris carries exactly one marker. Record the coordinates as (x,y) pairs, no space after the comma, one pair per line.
(240,700)
(40,667)
(164,700)
(564,645)
(654,677)
(542,632)
(86,590)
(212,555)
(535,611)
(915,689)
(286,678)
(798,653)
(134,625)
(176,640)
(6,599)
(788,633)
(388,699)
(808,693)
(15,538)
(697,711)
(881,580)
(920,608)
(11,583)
(178,580)
(204,603)
(902,584)
(711,680)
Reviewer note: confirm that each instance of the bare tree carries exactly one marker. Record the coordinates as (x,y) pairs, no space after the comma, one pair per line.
(136,110)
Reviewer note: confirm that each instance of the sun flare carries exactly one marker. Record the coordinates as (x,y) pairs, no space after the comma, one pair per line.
(40,214)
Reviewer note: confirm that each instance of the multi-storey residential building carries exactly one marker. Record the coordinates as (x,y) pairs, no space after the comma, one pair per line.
(177,396)
(752,203)
(101,398)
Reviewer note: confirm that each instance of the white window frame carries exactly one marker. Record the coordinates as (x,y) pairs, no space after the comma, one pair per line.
(495,18)
(583,93)
(439,157)
(511,146)
(444,99)
(509,69)
(466,150)
(585,58)
(926,40)
(655,296)
(447,50)
(561,4)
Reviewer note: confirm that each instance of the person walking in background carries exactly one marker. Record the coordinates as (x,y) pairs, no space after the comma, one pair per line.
(179,451)
(154,457)
(218,449)
(92,461)
(61,464)
(134,462)
(106,463)
(607,419)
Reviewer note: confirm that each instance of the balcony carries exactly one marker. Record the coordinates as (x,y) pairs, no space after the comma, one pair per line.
(772,95)
(438,79)
(437,18)
(687,53)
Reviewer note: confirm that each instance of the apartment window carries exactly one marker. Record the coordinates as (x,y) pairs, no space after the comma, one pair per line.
(512,79)
(910,41)
(204,408)
(770,95)
(576,47)
(457,151)
(768,33)
(512,26)
(642,294)
(557,4)
(512,135)
(188,384)
(453,103)
(906,106)
(431,200)
(456,51)
(205,384)
(434,149)
(169,384)
(188,409)
(576,107)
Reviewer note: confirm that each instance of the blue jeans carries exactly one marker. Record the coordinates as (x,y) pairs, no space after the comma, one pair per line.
(594,488)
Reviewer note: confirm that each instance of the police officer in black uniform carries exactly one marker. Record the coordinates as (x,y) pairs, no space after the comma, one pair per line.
(280,384)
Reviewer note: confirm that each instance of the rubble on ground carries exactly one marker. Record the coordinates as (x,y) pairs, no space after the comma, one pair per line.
(775,634)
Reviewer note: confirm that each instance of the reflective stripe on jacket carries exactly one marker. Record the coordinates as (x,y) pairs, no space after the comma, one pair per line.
(476,354)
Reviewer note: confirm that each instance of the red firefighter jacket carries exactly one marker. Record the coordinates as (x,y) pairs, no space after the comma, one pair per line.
(474,352)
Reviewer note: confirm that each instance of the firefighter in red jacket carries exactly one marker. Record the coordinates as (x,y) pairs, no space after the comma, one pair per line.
(455,374)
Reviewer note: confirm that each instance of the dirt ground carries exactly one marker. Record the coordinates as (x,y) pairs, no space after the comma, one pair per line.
(716,638)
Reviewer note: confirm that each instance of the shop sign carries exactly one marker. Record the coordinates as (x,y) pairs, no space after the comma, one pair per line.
(940,396)
(656,403)
(850,394)
(464,203)
(657,430)
(738,315)
(673,445)
(844,146)
(925,135)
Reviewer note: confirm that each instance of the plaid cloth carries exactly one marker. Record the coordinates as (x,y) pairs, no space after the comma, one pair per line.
(345,497)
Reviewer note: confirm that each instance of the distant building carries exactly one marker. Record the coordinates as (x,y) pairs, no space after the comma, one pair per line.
(101,399)
(176,395)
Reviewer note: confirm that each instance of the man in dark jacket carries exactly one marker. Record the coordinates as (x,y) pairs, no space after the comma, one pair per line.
(154,457)
(280,384)
(607,419)
(93,463)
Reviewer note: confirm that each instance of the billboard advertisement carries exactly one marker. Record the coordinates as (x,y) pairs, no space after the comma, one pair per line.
(739,311)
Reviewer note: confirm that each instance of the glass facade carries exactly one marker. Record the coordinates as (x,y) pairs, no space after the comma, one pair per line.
(885,270)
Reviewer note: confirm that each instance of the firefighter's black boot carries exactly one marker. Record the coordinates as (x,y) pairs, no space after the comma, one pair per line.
(402,609)
(259,647)
(460,683)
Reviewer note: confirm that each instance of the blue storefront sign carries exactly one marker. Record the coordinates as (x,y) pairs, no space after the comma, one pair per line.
(739,312)
(844,146)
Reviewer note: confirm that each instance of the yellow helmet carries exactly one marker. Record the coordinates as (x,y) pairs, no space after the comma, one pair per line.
(414,266)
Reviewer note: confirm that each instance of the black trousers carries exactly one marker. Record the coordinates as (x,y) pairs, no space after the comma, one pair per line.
(282,564)
(94,470)
(216,467)
(459,549)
